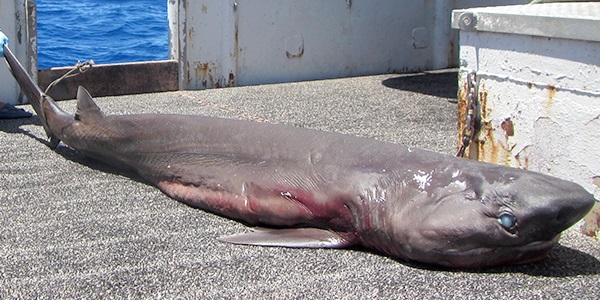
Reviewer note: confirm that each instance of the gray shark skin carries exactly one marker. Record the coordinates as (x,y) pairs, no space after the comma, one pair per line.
(318,189)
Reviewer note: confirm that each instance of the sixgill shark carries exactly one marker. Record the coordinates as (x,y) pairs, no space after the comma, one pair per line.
(315,189)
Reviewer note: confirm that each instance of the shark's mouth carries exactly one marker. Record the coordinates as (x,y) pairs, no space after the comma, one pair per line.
(484,257)
(532,252)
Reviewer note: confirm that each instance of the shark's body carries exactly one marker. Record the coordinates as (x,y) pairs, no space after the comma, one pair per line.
(324,189)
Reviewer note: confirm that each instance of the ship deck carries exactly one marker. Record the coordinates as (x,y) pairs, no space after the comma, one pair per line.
(71,228)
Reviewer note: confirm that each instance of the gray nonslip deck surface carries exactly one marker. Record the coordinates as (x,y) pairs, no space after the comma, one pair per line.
(72,228)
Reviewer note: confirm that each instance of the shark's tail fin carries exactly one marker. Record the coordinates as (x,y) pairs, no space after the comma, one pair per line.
(36,97)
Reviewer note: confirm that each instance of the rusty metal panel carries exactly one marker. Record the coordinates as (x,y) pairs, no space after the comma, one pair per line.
(114,79)
(539,94)
(203,39)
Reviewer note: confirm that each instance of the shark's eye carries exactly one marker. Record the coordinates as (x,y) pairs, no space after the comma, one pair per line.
(508,221)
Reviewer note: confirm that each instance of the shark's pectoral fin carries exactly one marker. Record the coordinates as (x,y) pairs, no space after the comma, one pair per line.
(293,238)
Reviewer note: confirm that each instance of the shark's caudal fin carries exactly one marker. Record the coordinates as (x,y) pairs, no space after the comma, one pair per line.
(86,107)
(42,103)
(31,90)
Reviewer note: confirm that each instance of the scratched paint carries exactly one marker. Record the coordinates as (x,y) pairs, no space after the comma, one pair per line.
(205,35)
(208,75)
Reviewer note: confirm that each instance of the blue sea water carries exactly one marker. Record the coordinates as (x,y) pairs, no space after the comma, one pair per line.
(107,31)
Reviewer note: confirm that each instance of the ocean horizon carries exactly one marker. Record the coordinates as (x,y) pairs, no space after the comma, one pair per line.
(106,31)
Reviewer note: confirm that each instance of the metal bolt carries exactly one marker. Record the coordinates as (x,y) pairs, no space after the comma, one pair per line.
(467,21)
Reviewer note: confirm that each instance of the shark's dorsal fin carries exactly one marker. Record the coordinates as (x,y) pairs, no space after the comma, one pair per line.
(86,107)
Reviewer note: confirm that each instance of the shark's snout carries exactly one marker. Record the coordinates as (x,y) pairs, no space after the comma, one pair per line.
(573,207)
(551,206)
(574,211)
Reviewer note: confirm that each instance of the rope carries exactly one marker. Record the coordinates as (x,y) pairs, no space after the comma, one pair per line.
(80,67)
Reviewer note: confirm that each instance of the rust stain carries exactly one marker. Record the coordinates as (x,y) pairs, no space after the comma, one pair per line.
(551,94)
(483,97)
(236,37)
(491,149)
(231,81)
(508,127)
(201,71)
(484,131)
(207,74)
(490,146)
(189,76)
(462,111)
(488,150)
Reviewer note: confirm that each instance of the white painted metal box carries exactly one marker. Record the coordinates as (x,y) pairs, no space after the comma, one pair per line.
(537,70)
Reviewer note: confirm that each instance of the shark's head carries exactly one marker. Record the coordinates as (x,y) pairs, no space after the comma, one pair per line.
(482,215)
